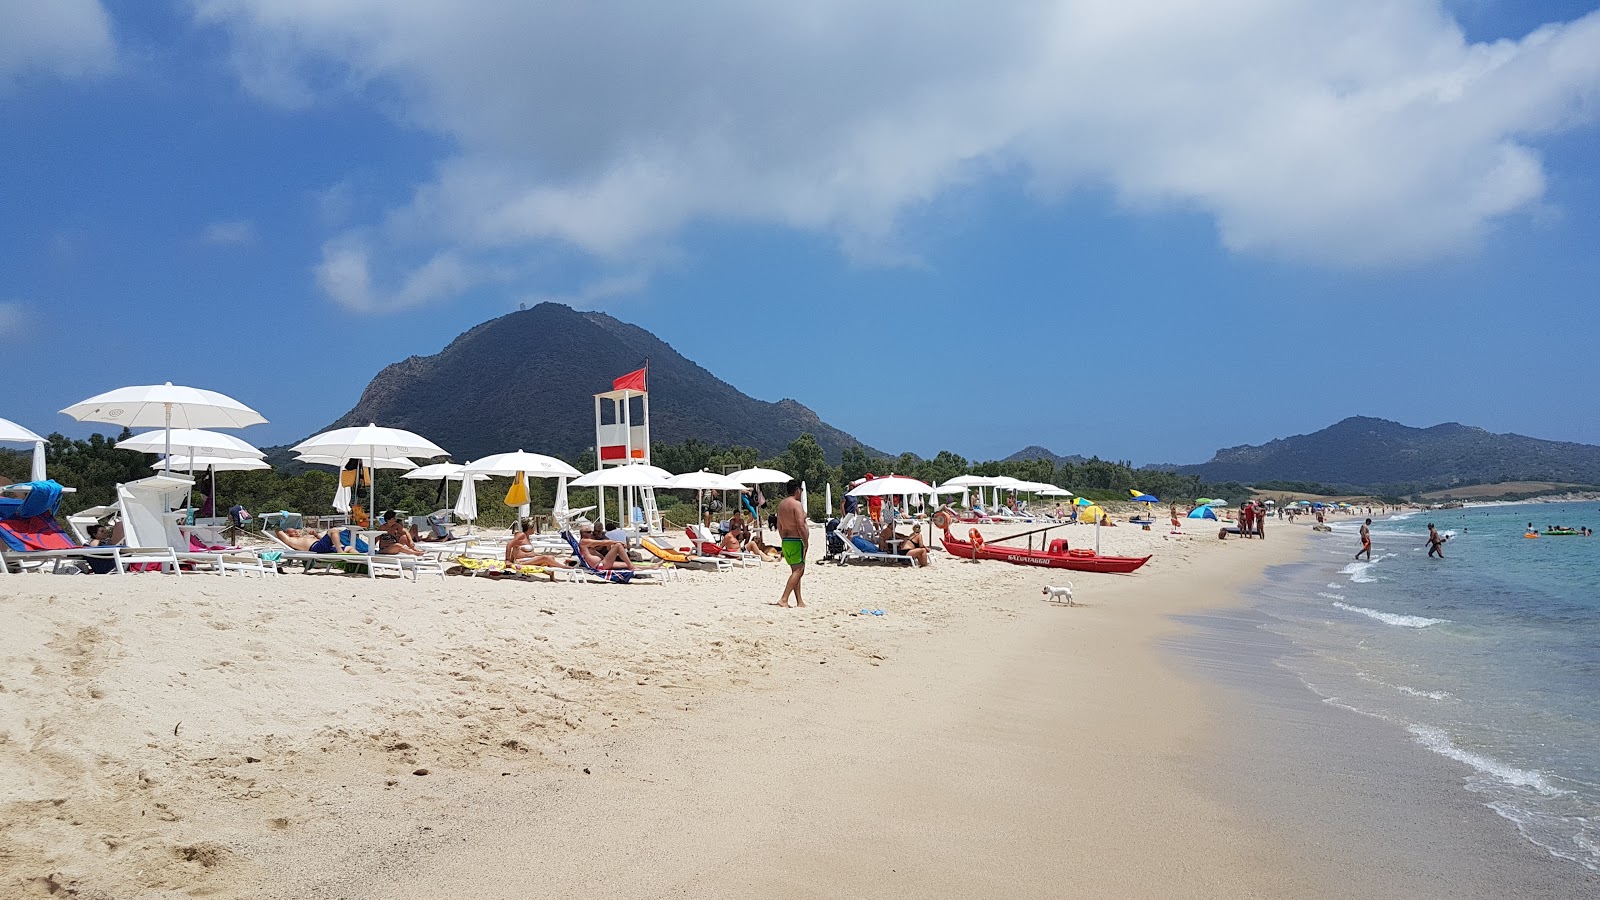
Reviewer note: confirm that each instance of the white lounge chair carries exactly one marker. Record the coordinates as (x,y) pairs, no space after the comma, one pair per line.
(146,522)
(372,559)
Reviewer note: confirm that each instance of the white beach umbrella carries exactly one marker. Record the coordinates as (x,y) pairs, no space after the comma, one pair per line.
(436,471)
(466,508)
(891,486)
(12,433)
(444,472)
(382,462)
(192,442)
(180,443)
(827,501)
(217,463)
(1053,491)
(805,499)
(636,475)
(163,406)
(704,481)
(524,465)
(341,497)
(949,488)
(369,442)
(537,465)
(759,476)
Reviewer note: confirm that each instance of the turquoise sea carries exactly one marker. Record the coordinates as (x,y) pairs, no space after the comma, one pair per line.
(1490,657)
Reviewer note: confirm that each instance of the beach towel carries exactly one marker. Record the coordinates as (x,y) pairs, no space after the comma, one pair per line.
(42,500)
(40,532)
(864,545)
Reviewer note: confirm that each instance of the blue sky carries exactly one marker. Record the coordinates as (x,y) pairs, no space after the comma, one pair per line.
(1102,231)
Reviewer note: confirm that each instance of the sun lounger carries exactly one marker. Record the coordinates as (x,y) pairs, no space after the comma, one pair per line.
(145,521)
(373,560)
(679,558)
(859,548)
(29,533)
(707,545)
(615,576)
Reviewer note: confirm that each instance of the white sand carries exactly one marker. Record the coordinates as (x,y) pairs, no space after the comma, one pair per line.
(174,736)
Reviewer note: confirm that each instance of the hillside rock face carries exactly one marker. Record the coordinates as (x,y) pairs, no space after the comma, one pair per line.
(1372,453)
(526,381)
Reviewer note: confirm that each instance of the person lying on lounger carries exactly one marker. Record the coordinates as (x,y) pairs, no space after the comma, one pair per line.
(601,553)
(395,540)
(340,540)
(759,547)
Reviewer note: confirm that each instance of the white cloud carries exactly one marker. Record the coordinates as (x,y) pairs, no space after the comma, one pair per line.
(596,292)
(1357,133)
(238,232)
(71,38)
(345,275)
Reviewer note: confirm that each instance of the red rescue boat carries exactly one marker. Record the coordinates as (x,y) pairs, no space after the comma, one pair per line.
(1056,558)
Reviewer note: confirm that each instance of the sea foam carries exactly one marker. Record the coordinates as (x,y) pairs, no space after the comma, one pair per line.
(1359,572)
(1390,618)
(1440,743)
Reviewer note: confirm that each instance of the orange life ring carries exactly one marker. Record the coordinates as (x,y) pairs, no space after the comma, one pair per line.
(975,538)
(942,520)
(1080,552)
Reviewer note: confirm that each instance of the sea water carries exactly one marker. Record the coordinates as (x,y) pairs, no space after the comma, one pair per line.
(1490,656)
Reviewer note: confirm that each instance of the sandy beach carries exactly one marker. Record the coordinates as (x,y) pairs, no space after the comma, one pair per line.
(331,736)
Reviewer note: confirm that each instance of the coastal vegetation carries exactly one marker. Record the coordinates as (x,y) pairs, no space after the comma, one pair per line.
(94,467)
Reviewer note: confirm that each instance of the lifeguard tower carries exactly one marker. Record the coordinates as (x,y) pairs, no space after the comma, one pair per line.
(622,438)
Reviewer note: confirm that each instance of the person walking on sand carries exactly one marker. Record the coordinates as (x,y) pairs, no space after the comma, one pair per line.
(1435,542)
(1366,541)
(796,541)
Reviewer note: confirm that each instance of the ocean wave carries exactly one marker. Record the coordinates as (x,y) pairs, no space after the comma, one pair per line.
(1566,837)
(1391,618)
(1405,689)
(1326,596)
(1440,743)
(1359,572)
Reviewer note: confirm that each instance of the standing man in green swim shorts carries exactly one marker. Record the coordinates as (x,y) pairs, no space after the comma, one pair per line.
(796,541)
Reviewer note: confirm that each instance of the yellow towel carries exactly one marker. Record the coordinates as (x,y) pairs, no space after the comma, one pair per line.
(518,494)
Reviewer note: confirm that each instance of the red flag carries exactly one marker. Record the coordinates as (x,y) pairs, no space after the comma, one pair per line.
(633,381)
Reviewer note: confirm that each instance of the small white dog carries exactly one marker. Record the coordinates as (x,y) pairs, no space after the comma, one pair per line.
(1061,594)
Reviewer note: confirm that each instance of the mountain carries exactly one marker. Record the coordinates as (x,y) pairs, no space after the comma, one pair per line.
(1037,452)
(526,381)
(1376,453)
